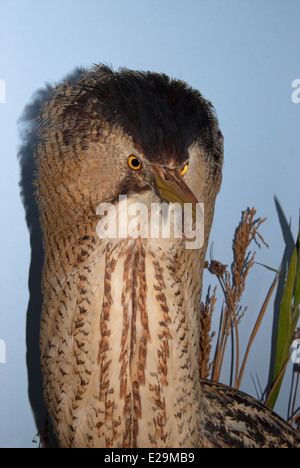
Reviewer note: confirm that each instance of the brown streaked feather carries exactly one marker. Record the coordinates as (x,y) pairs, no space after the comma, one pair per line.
(234,419)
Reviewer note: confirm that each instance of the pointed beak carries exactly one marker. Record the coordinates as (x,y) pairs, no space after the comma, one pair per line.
(170,186)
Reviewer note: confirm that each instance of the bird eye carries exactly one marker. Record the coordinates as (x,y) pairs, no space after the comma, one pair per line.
(134,163)
(184,169)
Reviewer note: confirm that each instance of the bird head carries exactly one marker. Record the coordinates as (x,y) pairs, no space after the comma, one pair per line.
(131,133)
(167,182)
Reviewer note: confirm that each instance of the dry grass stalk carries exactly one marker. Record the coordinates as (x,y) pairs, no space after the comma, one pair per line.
(206,312)
(233,285)
(257,325)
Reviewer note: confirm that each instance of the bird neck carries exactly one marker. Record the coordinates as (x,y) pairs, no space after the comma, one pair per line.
(150,315)
(121,323)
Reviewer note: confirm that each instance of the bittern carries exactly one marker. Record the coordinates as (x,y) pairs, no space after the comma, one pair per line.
(120,322)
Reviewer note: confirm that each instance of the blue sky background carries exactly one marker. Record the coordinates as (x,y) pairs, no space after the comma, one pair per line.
(241,54)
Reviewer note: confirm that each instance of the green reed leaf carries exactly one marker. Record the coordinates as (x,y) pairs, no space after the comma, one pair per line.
(289,316)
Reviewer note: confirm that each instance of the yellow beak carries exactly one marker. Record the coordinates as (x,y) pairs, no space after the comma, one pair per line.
(171,187)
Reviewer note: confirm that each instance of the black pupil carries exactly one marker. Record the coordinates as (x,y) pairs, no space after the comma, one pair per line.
(135,162)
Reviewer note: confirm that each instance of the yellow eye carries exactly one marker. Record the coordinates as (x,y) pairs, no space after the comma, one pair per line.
(134,163)
(184,169)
